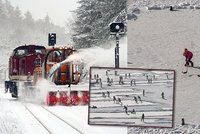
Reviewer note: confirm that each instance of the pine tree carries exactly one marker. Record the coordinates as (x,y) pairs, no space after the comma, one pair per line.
(29,21)
(93,17)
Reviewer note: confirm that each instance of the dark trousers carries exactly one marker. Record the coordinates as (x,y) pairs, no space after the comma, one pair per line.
(188,62)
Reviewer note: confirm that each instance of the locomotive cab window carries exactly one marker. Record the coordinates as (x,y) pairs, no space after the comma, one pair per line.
(21,52)
(40,51)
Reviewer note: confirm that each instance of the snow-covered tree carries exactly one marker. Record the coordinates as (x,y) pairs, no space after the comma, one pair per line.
(93,17)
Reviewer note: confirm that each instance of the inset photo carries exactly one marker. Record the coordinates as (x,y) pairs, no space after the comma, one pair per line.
(131,97)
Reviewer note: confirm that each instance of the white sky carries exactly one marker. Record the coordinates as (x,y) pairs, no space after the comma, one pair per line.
(58,10)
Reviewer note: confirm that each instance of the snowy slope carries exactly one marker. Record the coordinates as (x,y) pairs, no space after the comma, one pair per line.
(157,39)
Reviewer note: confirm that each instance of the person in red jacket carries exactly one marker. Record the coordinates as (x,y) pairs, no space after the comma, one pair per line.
(188,55)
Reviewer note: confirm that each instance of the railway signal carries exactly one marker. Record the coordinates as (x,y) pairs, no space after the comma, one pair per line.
(52,39)
(117,29)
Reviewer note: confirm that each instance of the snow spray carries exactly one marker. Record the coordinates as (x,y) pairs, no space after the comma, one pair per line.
(96,56)
(42,88)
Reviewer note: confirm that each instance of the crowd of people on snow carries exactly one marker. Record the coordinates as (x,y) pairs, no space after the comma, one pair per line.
(133,82)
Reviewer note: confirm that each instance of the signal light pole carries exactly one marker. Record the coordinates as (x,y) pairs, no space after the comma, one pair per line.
(117,29)
(117,51)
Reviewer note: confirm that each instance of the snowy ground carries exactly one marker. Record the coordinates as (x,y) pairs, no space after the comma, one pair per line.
(178,129)
(19,117)
(156,39)
(157,110)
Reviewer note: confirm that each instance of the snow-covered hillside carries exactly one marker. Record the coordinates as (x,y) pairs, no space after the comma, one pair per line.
(157,39)
(142,3)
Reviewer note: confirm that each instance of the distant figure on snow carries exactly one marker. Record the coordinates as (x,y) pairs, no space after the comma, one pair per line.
(108,80)
(163,95)
(126,109)
(143,92)
(114,99)
(103,95)
(135,99)
(133,111)
(142,118)
(119,101)
(121,80)
(171,8)
(108,93)
(139,98)
(111,81)
(131,84)
(188,56)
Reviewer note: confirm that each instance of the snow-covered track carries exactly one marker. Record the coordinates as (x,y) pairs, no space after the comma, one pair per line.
(52,123)
(63,120)
(45,127)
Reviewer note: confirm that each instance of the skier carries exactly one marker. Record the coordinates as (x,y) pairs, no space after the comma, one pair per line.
(142,118)
(114,99)
(126,109)
(108,94)
(163,95)
(120,80)
(131,84)
(120,101)
(188,56)
(143,92)
(108,79)
(135,99)
(139,98)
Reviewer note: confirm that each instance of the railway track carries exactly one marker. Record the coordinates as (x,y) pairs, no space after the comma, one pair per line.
(52,123)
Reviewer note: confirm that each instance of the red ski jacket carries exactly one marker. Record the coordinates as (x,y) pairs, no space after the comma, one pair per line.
(188,55)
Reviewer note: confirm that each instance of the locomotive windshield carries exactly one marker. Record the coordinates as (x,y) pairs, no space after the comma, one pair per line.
(40,51)
(31,49)
(21,52)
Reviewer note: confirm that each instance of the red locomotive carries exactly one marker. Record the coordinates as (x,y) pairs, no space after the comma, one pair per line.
(22,63)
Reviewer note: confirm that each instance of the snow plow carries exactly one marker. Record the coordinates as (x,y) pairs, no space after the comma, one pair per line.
(29,64)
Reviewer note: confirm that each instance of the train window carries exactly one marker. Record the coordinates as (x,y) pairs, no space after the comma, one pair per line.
(21,52)
(40,51)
